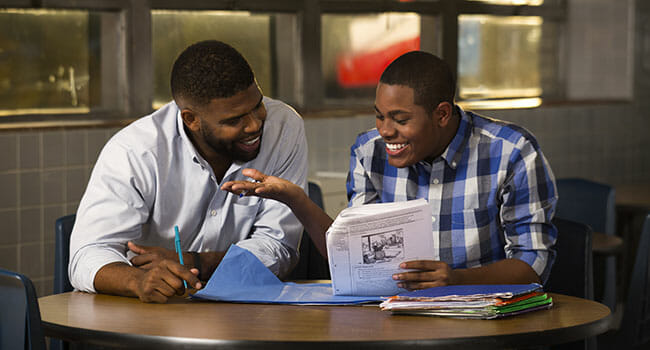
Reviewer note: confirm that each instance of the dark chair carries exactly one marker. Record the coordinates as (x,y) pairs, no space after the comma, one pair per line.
(634,332)
(572,272)
(20,317)
(62,230)
(593,204)
(311,265)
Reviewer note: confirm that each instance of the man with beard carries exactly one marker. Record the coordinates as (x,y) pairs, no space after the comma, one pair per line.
(165,170)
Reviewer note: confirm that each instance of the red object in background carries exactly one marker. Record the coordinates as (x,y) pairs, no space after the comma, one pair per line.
(364,69)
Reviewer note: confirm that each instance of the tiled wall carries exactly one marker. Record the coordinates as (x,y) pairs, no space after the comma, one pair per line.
(42,177)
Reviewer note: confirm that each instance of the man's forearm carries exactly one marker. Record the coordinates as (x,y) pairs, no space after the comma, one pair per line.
(314,219)
(507,271)
(118,278)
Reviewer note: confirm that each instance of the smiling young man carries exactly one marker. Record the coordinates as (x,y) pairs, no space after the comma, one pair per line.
(491,189)
(165,170)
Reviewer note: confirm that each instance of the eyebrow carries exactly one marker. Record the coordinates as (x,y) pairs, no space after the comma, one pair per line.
(243,114)
(394,113)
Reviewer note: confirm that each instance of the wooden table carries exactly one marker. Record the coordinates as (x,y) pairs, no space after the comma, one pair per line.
(633,195)
(127,322)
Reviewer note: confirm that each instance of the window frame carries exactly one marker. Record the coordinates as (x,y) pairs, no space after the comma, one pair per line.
(135,37)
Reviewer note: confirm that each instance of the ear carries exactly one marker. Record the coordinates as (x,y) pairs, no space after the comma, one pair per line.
(443,113)
(190,119)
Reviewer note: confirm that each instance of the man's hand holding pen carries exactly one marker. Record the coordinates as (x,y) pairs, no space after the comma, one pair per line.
(163,274)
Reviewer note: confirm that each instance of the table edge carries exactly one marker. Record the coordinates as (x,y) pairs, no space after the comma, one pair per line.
(106,338)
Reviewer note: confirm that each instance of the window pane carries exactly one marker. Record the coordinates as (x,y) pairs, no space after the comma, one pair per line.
(357,48)
(498,57)
(51,62)
(173,31)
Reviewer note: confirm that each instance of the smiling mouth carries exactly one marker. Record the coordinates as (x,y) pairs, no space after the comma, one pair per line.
(252,141)
(395,149)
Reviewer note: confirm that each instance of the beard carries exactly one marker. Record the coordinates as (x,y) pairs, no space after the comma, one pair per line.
(229,149)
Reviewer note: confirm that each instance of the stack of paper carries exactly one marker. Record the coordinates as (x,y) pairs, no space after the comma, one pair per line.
(367,243)
(471,301)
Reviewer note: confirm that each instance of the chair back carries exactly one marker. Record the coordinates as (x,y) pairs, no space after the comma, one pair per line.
(594,204)
(63,229)
(311,265)
(588,202)
(635,325)
(572,272)
(20,318)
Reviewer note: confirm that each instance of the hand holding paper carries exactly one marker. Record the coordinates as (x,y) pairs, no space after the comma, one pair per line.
(427,274)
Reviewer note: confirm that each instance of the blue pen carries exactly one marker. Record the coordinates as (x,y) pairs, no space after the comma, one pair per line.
(177,242)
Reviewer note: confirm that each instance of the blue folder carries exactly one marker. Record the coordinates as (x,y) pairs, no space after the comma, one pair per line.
(242,278)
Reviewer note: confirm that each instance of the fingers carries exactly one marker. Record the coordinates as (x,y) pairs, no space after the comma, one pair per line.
(254,174)
(141,260)
(239,187)
(165,280)
(423,274)
(186,274)
(138,249)
(421,265)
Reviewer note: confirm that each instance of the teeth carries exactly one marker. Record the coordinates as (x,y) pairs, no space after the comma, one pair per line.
(251,141)
(395,146)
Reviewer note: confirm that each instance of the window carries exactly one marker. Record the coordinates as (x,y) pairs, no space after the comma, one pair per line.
(98,59)
(55,61)
(499,57)
(357,48)
(173,31)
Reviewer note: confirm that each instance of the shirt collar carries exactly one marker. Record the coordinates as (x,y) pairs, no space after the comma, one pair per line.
(185,139)
(454,151)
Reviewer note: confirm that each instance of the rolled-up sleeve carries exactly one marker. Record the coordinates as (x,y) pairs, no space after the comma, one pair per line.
(529,200)
(276,233)
(111,212)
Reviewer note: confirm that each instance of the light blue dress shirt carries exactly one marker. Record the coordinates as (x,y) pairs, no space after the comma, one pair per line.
(150,177)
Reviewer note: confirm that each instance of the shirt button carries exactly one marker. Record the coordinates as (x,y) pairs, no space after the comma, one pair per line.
(433,219)
(435,181)
(453,164)
(213,212)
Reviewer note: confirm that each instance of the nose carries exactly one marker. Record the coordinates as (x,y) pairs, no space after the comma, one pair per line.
(386,128)
(254,121)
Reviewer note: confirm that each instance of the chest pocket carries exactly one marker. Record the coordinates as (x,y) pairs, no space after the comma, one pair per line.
(474,218)
(244,214)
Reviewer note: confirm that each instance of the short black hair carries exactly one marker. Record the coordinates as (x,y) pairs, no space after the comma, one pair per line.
(207,70)
(429,76)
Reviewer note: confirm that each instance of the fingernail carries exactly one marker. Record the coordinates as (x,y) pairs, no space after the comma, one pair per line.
(396,277)
(401,285)
(402,265)
(198,285)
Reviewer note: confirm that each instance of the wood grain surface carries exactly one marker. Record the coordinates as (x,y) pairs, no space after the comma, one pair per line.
(105,319)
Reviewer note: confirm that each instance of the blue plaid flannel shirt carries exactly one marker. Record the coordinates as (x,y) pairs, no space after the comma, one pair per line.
(492,193)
